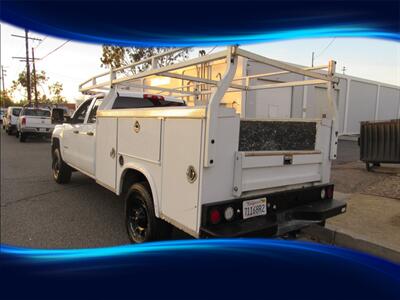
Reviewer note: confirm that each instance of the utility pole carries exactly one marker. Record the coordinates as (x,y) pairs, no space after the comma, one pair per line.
(34,78)
(28,71)
(3,74)
(312,59)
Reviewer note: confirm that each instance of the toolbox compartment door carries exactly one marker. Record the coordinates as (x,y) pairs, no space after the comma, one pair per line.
(182,151)
(106,152)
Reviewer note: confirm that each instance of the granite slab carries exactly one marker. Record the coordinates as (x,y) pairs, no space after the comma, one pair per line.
(276,135)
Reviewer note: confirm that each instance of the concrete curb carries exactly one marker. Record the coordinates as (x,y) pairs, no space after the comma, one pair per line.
(338,237)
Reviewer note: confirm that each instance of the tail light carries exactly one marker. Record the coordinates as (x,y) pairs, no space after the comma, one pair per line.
(153,97)
(215,216)
(329,192)
(23,121)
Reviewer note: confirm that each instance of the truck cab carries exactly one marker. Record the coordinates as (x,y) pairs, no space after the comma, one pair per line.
(78,142)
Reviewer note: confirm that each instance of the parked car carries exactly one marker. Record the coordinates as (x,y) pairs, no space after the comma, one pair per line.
(202,168)
(2,114)
(34,122)
(11,119)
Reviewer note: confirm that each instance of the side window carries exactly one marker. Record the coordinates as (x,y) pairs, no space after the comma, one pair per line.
(92,115)
(79,115)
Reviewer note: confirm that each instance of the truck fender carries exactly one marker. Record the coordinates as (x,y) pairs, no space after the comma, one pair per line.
(141,169)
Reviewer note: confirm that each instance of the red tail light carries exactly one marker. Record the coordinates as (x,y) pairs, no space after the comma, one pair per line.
(215,216)
(153,97)
(23,121)
(329,192)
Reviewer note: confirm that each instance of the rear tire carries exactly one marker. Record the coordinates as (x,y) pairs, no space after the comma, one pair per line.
(17,134)
(141,222)
(22,137)
(9,132)
(61,171)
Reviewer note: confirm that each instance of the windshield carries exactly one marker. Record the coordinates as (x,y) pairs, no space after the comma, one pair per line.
(36,112)
(16,111)
(135,102)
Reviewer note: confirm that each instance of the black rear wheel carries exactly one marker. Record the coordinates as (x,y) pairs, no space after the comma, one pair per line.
(141,222)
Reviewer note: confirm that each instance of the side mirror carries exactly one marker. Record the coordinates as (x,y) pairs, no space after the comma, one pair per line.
(67,119)
(57,116)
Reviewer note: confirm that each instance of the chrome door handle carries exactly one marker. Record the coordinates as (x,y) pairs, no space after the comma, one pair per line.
(75,131)
(89,133)
(112,153)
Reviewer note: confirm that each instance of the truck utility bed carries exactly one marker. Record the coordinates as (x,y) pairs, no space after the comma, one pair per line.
(203,167)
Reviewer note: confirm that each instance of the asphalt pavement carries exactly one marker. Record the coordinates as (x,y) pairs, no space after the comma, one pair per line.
(37,212)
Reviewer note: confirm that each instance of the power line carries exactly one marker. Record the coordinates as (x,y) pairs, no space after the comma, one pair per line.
(327,46)
(54,50)
(41,42)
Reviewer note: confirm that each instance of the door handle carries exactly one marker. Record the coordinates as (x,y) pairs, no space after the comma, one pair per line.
(90,133)
(75,131)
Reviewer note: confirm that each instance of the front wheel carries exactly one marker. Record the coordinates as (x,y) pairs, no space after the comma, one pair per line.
(17,134)
(141,222)
(61,171)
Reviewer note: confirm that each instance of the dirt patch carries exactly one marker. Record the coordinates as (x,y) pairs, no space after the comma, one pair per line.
(353,177)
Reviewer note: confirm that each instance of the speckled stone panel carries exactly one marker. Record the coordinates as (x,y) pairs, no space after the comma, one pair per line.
(276,135)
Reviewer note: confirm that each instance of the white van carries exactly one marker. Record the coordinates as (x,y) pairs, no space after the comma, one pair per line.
(11,119)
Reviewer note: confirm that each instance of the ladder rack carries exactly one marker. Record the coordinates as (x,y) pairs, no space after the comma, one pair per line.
(193,86)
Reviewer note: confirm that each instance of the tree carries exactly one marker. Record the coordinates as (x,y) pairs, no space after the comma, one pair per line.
(5,99)
(21,83)
(116,56)
(55,92)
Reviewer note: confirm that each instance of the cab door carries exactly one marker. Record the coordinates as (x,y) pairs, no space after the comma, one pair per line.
(87,139)
(72,135)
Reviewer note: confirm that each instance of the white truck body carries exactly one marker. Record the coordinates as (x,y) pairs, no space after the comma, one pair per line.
(191,156)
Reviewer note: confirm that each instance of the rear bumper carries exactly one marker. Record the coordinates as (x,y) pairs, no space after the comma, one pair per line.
(36,130)
(278,222)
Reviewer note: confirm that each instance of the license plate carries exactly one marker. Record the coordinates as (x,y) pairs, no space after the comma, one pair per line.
(254,208)
(42,129)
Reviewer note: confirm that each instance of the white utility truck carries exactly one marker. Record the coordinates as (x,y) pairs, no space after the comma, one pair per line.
(181,158)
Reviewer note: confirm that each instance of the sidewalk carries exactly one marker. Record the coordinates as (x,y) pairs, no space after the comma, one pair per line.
(372,221)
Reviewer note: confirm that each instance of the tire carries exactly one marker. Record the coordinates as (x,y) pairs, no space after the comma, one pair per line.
(61,171)
(22,137)
(17,134)
(9,131)
(141,222)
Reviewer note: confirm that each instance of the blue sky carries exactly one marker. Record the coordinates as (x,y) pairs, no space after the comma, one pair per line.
(75,62)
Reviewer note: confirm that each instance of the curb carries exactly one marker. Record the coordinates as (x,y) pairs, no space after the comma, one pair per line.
(332,236)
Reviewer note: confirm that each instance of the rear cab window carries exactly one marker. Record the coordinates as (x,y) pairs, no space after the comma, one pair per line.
(36,112)
(15,111)
(123,102)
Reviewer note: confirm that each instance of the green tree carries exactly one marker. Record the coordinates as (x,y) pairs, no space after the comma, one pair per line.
(116,56)
(55,93)
(20,84)
(5,99)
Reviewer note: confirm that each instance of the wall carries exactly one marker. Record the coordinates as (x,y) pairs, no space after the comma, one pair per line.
(362,102)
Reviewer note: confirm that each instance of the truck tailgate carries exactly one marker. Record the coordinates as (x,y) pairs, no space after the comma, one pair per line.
(268,169)
(39,122)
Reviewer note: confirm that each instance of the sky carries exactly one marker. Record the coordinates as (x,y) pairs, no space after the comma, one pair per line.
(76,62)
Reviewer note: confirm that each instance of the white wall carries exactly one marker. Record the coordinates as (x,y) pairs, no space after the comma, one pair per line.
(365,100)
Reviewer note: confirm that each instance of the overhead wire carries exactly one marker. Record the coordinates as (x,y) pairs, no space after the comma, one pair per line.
(54,50)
